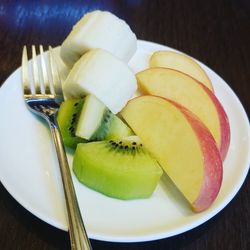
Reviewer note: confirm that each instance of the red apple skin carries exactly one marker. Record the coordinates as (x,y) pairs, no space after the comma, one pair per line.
(213,172)
(213,166)
(225,127)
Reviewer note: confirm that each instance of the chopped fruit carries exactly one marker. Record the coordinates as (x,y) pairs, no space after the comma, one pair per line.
(181,144)
(181,62)
(120,169)
(182,126)
(99,29)
(101,74)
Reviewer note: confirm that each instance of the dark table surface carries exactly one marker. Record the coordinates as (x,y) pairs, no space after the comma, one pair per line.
(216,32)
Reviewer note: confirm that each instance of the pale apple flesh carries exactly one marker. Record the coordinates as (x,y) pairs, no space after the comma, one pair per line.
(181,62)
(191,94)
(181,144)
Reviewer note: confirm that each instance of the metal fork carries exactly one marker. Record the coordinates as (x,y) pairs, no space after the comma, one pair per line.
(43,95)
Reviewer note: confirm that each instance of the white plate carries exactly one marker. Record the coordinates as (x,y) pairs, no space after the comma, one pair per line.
(29,171)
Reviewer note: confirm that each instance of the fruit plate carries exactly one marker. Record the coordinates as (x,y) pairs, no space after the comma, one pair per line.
(29,171)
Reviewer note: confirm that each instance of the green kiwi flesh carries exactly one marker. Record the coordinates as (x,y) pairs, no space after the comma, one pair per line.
(67,118)
(117,129)
(120,169)
(97,122)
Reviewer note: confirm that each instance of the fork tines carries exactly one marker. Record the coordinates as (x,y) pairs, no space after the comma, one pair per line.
(43,78)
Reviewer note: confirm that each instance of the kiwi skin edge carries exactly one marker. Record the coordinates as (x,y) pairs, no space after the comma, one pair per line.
(67,118)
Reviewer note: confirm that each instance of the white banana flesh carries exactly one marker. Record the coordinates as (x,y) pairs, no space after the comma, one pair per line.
(99,29)
(103,75)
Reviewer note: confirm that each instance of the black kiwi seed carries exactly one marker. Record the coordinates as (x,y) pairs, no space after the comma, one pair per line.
(124,147)
(76,104)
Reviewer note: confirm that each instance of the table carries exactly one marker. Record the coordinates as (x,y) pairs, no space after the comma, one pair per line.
(216,32)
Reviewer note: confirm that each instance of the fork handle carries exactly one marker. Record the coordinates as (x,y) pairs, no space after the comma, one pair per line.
(78,236)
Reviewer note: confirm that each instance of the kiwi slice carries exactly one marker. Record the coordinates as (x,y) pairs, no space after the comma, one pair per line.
(97,122)
(120,169)
(67,118)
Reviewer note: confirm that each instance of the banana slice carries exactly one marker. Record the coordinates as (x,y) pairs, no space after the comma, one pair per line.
(99,29)
(103,75)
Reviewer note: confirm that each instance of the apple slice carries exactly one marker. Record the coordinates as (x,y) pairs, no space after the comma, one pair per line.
(191,94)
(181,144)
(181,62)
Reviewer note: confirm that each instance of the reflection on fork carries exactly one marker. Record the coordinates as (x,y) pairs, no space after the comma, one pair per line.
(43,94)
